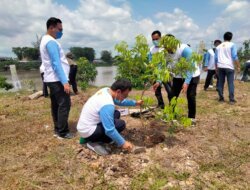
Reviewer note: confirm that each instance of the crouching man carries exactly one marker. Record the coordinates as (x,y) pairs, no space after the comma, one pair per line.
(99,121)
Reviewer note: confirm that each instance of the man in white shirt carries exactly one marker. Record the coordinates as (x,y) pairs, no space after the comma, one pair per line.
(210,65)
(225,58)
(156,36)
(186,85)
(99,122)
(56,72)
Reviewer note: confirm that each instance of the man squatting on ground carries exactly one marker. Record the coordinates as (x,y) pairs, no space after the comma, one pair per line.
(156,36)
(100,122)
(56,71)
(187,85)
(210,65)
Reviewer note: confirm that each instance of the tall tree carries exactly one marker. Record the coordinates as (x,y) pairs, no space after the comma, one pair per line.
(106,56)
(244,52)
(87,52)
(18,51)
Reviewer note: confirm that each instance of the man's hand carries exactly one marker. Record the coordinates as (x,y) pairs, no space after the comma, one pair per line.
(156,85)
(184,88)
(66,88)
(127,146)
(139,102)
(205,69)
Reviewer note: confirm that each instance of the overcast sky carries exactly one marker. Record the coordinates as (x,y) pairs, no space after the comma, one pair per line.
(103,23)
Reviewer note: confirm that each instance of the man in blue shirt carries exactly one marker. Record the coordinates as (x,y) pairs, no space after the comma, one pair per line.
(56,71)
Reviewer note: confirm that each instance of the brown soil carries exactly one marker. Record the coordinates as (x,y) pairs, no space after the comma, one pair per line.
(214,154)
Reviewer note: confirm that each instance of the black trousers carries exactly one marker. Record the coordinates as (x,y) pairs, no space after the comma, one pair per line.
(158,94)
(99,134)
(45,88)
(191,93)
(72,77)
(60,107)
(210,74)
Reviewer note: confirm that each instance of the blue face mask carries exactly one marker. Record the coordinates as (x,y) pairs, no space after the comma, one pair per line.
(116,101)
(59,34)
(156,43)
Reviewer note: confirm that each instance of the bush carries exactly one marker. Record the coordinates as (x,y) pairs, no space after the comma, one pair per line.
(4,65)
(4,84)
(86,73)
(132,62)
(29,65)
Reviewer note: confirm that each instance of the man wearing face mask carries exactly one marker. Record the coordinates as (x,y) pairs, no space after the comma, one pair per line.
(100,123)
(56,72)
(156,36)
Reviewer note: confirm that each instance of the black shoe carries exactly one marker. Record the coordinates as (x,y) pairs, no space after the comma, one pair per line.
(232,102)
(221,100)
(161,106)
(67,136)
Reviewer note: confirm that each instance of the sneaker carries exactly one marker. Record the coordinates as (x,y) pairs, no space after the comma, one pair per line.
(232,102)
(210,86)
(67,136)
(97,148)
(193,121)
(138,150)
(221,100)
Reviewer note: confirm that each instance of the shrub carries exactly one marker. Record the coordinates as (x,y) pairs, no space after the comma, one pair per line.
(4,84)
(86,73)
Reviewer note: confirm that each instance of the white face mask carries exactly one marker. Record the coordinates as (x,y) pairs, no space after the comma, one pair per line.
(156,43)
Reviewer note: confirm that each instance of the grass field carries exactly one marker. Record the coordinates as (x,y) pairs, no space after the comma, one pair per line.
(214,154)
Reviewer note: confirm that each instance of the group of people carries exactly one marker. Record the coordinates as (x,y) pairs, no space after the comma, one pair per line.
(221,61)
(99,121)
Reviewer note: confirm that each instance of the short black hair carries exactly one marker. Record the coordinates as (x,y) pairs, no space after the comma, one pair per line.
(217,42)
(52,21)
(170,35)
(156,32)
(228,36)
(122,84)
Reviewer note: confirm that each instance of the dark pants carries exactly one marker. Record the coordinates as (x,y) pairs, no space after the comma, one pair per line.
(60,107)
(99,134)
(223,73)
(246,71)
(209,79)
(158,94)
(45,88)
(191,93)
(72,77)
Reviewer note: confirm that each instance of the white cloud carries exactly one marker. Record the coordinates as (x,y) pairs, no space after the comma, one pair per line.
(100,24)
(234,19)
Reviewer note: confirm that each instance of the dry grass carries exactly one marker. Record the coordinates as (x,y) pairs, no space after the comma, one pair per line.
(215,154)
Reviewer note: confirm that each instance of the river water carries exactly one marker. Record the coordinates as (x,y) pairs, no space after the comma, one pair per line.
(32,79)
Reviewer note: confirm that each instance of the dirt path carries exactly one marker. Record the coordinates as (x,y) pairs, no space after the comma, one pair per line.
(214,154)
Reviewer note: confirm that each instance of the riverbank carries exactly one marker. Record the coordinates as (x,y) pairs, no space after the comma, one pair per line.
(214,154)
